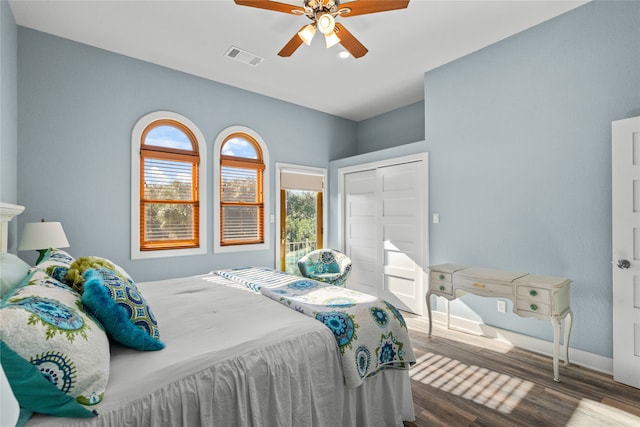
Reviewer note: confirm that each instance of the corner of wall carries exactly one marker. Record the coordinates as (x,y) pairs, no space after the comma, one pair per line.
(8,113)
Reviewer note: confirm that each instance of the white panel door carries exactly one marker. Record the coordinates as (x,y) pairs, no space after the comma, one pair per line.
(386,230)
(361,231)
(625,182)
(402,213)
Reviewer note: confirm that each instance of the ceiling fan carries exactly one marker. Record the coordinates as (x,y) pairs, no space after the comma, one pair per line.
(322,14)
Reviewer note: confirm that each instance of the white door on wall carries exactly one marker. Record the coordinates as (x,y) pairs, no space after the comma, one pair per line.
(385,229)
(361,235)
(402,220)
(625,153)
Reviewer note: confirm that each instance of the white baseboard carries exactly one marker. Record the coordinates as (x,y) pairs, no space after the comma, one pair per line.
(576,356)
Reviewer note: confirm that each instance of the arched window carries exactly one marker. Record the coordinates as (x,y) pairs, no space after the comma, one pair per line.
(169,187)
(241,197)
(241,186)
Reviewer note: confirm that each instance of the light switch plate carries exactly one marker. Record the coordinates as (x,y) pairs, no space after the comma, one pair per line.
(502,306)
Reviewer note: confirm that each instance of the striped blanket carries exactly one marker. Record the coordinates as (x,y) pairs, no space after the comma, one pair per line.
(371,333)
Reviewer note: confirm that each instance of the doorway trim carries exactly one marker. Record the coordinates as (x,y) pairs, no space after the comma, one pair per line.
(301,169)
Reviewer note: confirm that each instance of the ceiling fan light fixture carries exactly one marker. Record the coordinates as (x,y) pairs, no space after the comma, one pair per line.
(322,14)
(326,23)
(331,39)
(307,33)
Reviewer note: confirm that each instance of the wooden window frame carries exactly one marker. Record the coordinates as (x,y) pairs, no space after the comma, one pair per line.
(250,164)
(281,206)
(267,216)
(141,248)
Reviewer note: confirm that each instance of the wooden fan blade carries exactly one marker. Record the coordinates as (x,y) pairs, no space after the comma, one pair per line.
(355,48)
(293,44)
(362,7)
(272,5)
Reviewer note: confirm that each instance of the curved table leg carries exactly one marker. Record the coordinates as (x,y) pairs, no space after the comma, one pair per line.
(568,321)
(555,322)
(428,297)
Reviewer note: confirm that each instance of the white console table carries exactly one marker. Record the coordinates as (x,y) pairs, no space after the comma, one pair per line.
(532,296)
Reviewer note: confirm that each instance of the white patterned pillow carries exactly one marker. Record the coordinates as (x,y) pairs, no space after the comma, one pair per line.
(55,258)
(56,356)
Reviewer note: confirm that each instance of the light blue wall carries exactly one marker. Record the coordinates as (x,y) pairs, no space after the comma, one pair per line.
(76,109)
(8,114)
(401,126)
(519,136)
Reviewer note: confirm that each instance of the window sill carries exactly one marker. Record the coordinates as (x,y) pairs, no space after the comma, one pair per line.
(240,248)
(137,254)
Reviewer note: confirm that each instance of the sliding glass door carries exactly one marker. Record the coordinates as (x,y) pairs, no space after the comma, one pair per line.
(301,216)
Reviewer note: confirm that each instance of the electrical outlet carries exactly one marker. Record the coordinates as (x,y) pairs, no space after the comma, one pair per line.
(502,306)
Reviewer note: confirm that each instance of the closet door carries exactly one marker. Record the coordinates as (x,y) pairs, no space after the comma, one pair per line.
(361,231)
(401,214)
(386,230)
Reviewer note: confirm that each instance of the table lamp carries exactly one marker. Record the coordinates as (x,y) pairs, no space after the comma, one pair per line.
(41,236)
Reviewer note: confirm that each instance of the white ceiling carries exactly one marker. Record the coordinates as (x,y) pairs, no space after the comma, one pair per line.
(193,36)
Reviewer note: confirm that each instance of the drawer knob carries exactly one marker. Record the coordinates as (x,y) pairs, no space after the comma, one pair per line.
(533,292)
(441,277)
(441,288)
(533,307)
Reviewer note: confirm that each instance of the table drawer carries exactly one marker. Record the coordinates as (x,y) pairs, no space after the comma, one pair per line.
(439,286)
(484,288)
(530,293)
(440,282)
(534,307)
(437,276)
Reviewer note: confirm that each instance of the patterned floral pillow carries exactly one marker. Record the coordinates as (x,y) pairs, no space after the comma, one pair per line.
(121,308)
(55,258)
(55,355)
(75,273)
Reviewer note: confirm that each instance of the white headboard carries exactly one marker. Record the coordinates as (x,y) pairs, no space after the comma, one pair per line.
(7,212)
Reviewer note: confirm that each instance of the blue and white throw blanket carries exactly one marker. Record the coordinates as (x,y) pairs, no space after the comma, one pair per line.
(371,333)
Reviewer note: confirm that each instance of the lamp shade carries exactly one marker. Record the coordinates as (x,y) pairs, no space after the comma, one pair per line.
(331,39)
(42,235)
(326,23)
(307,33)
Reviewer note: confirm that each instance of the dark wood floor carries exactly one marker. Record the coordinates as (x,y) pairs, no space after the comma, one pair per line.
(462,379)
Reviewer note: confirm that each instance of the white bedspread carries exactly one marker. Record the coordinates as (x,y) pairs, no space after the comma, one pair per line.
(236,358)
(371,333)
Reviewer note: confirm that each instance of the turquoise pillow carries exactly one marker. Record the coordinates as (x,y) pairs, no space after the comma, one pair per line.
(55,355)
(34,391)
(120,307)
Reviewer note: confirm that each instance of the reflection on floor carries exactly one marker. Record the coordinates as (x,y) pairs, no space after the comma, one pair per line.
(462,379)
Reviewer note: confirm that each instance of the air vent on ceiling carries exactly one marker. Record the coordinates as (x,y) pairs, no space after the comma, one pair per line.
(243,56)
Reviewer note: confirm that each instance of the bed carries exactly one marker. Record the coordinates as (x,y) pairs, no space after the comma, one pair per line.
(233,356)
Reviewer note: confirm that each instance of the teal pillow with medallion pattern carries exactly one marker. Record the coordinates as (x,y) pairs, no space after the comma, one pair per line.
(122,309)
(55,354)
